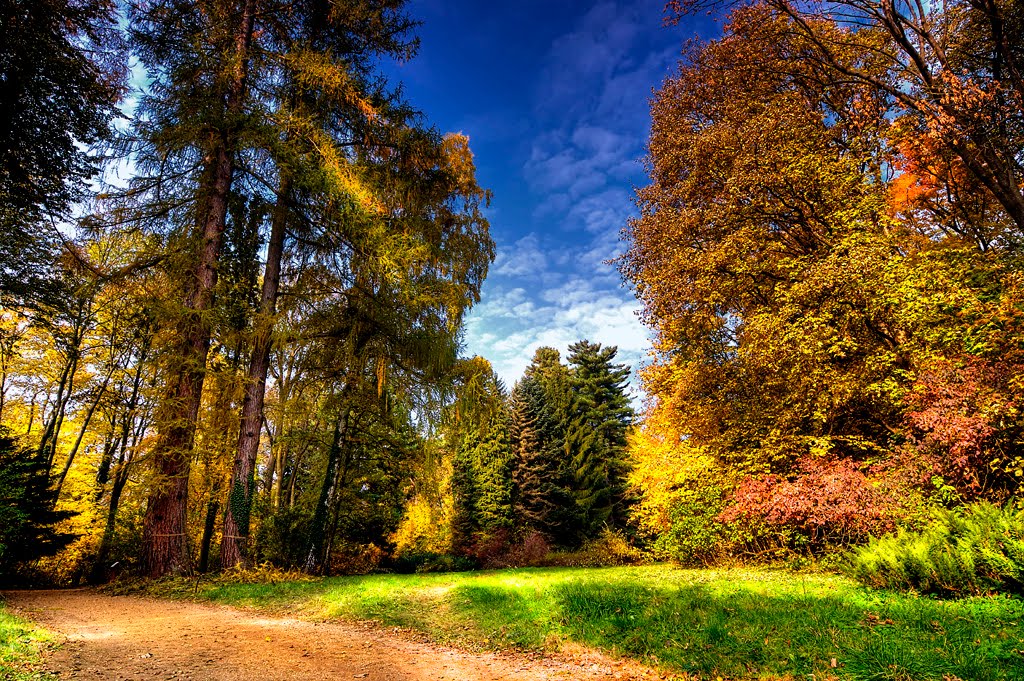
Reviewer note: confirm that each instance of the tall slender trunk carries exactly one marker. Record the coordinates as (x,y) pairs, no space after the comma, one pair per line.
(4,364)
(81,432)
(335,509)
(131,408)
(236,522)
(212,507)
(51,429)
(271,467)
(121,471)
(163,536)
(318,526)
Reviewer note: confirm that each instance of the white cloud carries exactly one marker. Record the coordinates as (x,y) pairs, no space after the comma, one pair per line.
(524,257)
(508,332)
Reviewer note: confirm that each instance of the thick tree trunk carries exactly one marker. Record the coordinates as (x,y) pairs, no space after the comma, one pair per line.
(164,531)
(236,523)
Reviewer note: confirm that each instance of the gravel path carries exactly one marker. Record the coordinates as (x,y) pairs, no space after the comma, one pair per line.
(131,638)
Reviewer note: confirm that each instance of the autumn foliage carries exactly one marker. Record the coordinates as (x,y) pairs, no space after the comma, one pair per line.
(832,273)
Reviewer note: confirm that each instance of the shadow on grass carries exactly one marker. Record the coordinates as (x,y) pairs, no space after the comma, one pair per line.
(739,632)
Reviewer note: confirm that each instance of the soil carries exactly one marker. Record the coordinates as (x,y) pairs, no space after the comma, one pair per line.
(131,638)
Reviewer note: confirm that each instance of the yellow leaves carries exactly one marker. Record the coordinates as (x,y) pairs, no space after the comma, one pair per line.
(343,173)
(662,460)
(316,70)
(458,159)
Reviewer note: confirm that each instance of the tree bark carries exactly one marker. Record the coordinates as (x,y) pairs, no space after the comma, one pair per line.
(236,522)
(164,546)
(318,526)
(120,478)
(51,430)
(212,507)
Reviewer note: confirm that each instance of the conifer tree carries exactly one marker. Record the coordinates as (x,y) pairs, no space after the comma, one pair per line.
(464,522)
(28,520)
(542,502)
(326,102)
(493,469)
(476,429)
(482,482)
(601,417)
(546,366)
(61,80)
(191,130)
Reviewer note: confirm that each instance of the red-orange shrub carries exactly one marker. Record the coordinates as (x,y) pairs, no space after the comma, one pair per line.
(826,502)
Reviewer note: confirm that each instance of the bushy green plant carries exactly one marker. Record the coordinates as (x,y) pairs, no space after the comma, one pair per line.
(427,561)
(694,535)
(28,521)
(609,547)
(281,535)
(971,550)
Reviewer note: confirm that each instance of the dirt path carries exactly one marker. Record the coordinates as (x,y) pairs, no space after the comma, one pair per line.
(124,637)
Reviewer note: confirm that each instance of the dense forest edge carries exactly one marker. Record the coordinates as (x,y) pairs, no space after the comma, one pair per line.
(235,264)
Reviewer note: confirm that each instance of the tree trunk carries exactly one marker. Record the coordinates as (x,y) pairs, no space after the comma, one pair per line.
(163,535)
(51,429)
(271,467)
(212,507)
(81,434)
(120,479)
(318,526)
(236,522)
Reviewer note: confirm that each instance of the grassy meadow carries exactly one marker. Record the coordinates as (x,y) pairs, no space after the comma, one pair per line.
(734,624)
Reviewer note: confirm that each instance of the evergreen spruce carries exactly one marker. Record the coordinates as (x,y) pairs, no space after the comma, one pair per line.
(28,520)
(493,464)
(482,464)
(601,417)
(542,503)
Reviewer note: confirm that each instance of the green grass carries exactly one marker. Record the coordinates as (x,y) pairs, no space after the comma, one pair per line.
(745,624)
(20,643)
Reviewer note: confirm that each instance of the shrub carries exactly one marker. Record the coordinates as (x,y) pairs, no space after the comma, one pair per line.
(281,535)
(972,550)
(490,549)
(531,552)
(427,561)
(693,533)
(28,522)
(826,503)
(263,573)
(608,548)
(349,558)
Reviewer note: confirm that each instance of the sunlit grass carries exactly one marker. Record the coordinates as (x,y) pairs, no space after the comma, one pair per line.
(19,648)
(730,623)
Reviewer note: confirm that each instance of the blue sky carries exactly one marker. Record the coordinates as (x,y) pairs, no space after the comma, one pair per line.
(555,99)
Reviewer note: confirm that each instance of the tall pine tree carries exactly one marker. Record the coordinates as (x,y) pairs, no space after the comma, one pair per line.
(601,416)
(542,502)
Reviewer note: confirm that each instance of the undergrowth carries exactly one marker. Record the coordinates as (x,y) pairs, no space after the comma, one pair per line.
(20,644)
(972,550)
